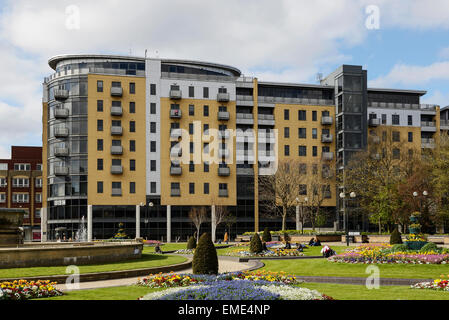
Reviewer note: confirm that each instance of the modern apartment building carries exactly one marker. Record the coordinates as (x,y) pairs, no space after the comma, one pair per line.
(141,141)
(21,187)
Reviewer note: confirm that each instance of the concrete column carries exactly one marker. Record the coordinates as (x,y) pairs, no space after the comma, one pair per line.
(213,220)
(138,221)
(89,223)
(168,223)
(44,226)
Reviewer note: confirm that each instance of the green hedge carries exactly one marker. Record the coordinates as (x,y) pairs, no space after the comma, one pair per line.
(298,232)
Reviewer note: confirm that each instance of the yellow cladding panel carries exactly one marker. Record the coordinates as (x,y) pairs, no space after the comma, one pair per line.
(403,135)
(94,175)
(294,141)
(199,177)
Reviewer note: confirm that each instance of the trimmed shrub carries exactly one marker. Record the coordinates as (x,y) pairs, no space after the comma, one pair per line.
(205,260)
(266,237)
(191,244)
(395,237)
(429,247)
(255,245)
(399,248)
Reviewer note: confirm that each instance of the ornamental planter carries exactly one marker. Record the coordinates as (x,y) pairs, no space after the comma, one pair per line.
(415,245)
(414,219)
(414,230)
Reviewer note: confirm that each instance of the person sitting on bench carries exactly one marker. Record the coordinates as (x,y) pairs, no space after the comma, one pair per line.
(157,249)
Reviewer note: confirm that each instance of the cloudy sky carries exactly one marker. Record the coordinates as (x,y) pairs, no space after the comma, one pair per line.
(283,40)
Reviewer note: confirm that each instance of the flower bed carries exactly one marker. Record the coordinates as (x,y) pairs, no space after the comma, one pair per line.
(237,290)
(438,284)
(183,280)
(383,254)
(151,242)
(185,251)
(267,253)
(24,290)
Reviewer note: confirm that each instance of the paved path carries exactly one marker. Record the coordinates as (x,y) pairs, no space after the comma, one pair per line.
(226,264)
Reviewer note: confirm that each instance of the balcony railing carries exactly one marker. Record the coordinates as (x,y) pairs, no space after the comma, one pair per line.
(328,156)
(176,133)
(444,124)
(175,114)
(116,169)
(117,150)
(326,120)
(266,119)
(61,113)
(61,152)
(175,94)
(175,192)
(374,122)
(116,131)
(223,97)
(61,94)
(326,138)
(244,118)
(391,105)
(428,143)
(223,193)
(224,171)
(61,132)
(61,171)
(175,171)
(223,115)
(306,101)
(116,192)
(116,91)
(116,111)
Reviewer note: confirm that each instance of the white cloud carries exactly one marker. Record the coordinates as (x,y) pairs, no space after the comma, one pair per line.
(437,97)
(444,53)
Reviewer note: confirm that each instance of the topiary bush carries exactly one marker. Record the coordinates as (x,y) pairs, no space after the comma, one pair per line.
(191,244)
(205,260)
(266,237)
(255,245)
(395,237)
(399,248)
(429,247)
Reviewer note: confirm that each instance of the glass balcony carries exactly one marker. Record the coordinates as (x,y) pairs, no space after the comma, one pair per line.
(61,113)
(116,91)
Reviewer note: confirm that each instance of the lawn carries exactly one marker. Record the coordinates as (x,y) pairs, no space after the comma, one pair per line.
(322,267)
(173,246)
(310,251)
(113,293)
(148,260)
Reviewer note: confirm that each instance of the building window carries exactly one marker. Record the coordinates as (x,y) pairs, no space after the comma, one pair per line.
(99,144)
(20,182)
(132,126)
(38,167)
(153,187)
(190,128)
(3,166)
(132,145)
(314,169)
(302,133)
(191,110)
(314,116)
(205,92)
(38,183)
(314,151)
(132,165)
(191,188)
(100,105)
(132,88)
(22,167)
(206,111)
(153,165)
(152,146)
(99,164)
(410,120)
(384,136)
(223,187)
(152,127)
(206,129)
(175,189)
(20,198)
(116,84)
(286,114)
(395,119)
(302,151)
(152,108)
(191,147)
(206,166)
(302,189)
(99,186)
(153,89)
(99,86)
(286,150)
(410,137)
(132,187)
(286,132)
(191,92)
(132,107)
(302,115)
(191,166)
(117,186)
(396,153)
(396,136)
(314,133)
(206,188)
(99,125)
(303,168)
(384,119)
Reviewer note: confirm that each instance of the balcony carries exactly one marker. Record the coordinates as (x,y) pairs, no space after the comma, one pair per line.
(176,133)
(61,94)
(116,192)
(61,171)
(61,113)
(175,94)
(61,152)
(326,138)
(326,120)
(245,171)
(116,131)
(116,169)
(176,152)
(266,137)
(61,132)
(428,126)
(223,193)
(116,150)
(244,118)
(327,156)
(116,91)
(444,124)
(175,171)
(223,115)
(175,192)
(223,97)
(374,122)
(223,153)
(266,119)
(428,143)
(116,111)
(223,134)
(327,174)
(175,114)
(224,171)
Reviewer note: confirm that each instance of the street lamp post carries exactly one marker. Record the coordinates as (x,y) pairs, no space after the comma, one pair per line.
(416,194)
(302,211)
(343,197)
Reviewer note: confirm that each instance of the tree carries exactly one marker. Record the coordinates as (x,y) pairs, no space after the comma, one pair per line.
(221,212)
(191,244)
(279,191)
(198,216)
(255,245)
(266,236)
(205,260)
(229,221)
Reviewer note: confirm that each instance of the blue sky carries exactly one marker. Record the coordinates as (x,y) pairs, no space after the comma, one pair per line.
(286,40)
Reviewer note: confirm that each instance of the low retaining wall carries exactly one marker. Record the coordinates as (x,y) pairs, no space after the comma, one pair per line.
(68,254)
(111,275)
